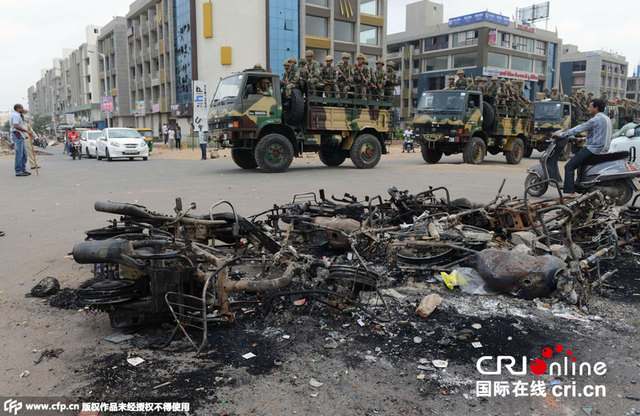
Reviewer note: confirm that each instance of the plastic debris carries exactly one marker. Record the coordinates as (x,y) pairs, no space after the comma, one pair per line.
(421,376)
(476,326)
(315,383)
(118,337)
(476,344)
(135,361)
(249,356)
(417,340)
(440,363)
(25,373)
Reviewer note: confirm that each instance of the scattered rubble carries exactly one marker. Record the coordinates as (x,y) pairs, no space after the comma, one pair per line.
(46,287)
(345,253)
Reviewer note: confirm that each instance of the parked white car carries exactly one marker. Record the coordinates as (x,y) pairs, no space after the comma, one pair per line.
(629,143)
(89,140)
(118,142)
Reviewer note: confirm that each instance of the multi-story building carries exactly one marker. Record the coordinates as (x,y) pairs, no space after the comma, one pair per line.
(633,86)
(114,71)
(481,44)
(596,71)
(151,31)
(80,76)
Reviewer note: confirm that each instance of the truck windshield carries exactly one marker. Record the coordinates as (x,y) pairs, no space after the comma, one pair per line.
(228,88)
(441,101)
(548,111)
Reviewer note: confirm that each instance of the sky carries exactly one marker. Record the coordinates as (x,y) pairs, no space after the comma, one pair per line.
(34,32)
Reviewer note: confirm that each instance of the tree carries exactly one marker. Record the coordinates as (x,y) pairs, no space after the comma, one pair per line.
(40,122)
(6,127)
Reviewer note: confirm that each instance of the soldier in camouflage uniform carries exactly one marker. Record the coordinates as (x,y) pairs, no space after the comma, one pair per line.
(482,85)
(492,89)
(576,113)
(302,66)
(361,78)
(283,80)
(369,71)
(313,71)
(452,83)
(264,87)
(555,96)
(390,80)
(604,97)
(329,78)
(501,97)
(472,84)
(345,75)
(293,77)
(546,93)
(461,83)
(377,80)
(589,97)
(523,105)
(508,98)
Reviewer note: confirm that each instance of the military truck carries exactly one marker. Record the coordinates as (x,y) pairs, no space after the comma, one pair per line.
(462,121)
(267,130)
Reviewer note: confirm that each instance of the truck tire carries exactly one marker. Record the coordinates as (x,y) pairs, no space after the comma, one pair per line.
(488,115)
(244,158)
(274,153)
(528,151)
(332,157)
(294,115)
(431,155)
(514,156)
(365,151)
(474,151)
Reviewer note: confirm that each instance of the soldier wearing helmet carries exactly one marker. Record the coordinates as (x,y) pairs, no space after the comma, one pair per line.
(361,78)
(329,78)
(377,80)
(452,82)
(461,83)
(345,75)
(313,71)
(264,87)
(390,80)
(285,65)
(555,95)
(293,78)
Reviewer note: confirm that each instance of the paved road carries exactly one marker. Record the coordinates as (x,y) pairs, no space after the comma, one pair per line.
(44,216)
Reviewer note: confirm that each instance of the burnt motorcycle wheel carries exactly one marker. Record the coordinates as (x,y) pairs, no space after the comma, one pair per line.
(624,191)
(538,190)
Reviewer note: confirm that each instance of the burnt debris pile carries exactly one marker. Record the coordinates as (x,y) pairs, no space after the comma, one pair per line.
(197,270)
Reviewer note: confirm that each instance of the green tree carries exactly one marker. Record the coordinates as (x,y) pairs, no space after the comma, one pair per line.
(6,126)
(40,122)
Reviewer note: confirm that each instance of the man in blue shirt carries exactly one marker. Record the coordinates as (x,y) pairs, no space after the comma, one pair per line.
(18,134)
(598,139)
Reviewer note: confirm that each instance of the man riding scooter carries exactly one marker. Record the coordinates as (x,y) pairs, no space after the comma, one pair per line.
(609,173)
(74,148)
(598,139)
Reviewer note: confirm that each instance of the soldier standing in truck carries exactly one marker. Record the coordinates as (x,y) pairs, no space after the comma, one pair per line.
(293,77)
(390,79)
(329,77)
(345,75)
(360,78)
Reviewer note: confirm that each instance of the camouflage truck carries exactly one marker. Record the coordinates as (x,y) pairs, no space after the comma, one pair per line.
(549,117)
(460,121)
(268,130)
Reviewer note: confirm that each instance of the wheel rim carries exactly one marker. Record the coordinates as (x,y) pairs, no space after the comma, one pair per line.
(517,152)
(367,151)
(275,154)
(477,153)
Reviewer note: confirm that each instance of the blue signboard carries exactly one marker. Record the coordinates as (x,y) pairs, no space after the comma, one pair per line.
(479,17)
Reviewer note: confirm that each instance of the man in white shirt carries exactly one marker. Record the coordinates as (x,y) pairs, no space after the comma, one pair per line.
(165,131)
(18,134)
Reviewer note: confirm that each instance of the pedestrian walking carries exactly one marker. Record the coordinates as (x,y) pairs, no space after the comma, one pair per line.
(178,137)
(18,134)
(31,156)
(172,137)
(165,133)
(202,136)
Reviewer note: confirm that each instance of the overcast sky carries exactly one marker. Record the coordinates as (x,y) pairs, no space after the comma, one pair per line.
(33,32)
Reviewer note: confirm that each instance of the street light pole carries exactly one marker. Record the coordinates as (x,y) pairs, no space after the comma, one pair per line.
(104,67)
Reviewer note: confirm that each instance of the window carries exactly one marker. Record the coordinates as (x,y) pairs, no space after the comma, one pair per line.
(540,47)
(318,2)
(498,60)
(437,63)
(436,42)
(538,67)
(505,40)
(343,31)
(372,61)
(579,66)
(368,34)
(369,6)
(316,26)
(522,44)
(465,59)
(521,64)
(470,37)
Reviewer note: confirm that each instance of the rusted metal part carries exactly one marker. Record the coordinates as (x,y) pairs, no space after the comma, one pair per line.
(333,238)
(510,271)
